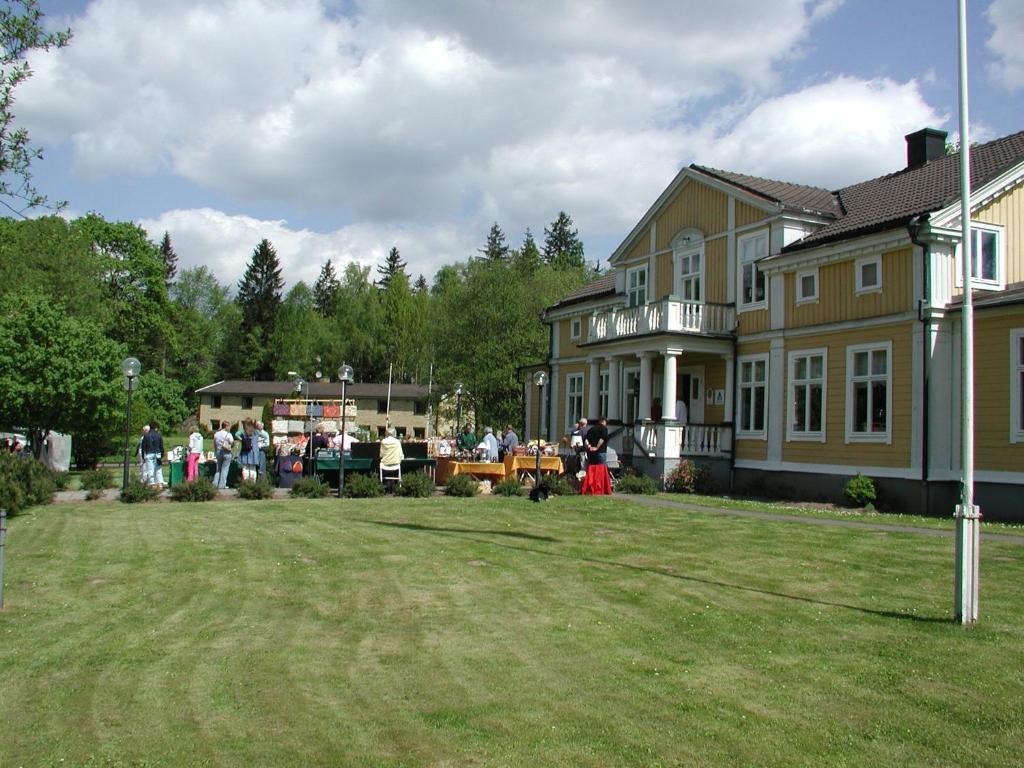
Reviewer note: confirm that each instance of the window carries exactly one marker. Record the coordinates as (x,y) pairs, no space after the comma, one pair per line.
(575,328)
(419,407)
(419,433)
(753,396)
(382,406)
(752,282)
(1017,385)
(216,401)
(380,431)
(689,275)
(868,273)
(247,402)
(573,399)
(869,393)
(986,258)
(807,286)
(215,424)
(807,395)
(636,286)
(400,432)
(603,395)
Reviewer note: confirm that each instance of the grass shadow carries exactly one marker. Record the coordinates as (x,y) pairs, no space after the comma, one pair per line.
(434,529)
(459,533)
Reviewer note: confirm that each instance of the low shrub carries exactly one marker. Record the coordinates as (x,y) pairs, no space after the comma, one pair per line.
(637,484)
(416,486)
(558,485)
(462,485)
(137,493)
(362,486)
(61,480)
(687,477)
(510,486)
(24,483)
(310,488)
(200,490)
(97,480)
(861,491)
(255,490)
(93,494)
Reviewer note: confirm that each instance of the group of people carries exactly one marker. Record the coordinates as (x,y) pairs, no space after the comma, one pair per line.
(252,440)
(488,447)
(151,455)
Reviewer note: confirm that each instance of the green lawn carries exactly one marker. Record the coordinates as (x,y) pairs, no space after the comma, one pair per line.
(494,632)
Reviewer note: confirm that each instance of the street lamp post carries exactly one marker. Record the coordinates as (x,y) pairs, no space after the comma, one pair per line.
(130,367)
(540,378)
(458,408)
(345,377)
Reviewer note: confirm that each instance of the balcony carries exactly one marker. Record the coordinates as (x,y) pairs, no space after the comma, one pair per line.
(666,316)
(670,440)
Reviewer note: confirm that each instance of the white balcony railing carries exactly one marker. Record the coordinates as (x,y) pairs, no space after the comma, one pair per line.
(654,439)
(706,440)
(665,316)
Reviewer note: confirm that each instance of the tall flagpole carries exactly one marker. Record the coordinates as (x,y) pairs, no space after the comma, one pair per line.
(388,417)
(967,513)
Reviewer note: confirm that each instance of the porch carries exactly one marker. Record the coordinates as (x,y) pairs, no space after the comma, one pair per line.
(670,315)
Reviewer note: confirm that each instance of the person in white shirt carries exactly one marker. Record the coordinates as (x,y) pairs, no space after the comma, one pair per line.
(391,449)
(222,442)
(682,416)
(343,442)
(262,442)
(492,444)
(195,452)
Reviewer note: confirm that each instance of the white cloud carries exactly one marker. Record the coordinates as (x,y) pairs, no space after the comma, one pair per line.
(1007,19)
(830,134)
(225,243)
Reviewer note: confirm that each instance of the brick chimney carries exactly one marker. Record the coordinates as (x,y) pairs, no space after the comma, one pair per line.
(924,146)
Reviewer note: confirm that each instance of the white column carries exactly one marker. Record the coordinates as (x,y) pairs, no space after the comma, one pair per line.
(614,390)
(776,398)
(646,361)
(668,385)
(594,392)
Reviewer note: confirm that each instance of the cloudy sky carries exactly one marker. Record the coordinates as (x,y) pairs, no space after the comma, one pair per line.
(342,127)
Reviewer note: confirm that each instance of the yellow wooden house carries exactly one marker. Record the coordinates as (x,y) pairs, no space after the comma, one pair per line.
(788,336)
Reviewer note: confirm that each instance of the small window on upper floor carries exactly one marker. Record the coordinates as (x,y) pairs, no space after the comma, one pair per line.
(636,286)
(575,328)
(382,406)
(807,286)
(987,258)
(215,401)
(247,402)
(868,274)
(419,407)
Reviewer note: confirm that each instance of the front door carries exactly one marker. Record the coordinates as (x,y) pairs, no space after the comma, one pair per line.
(690,389)
(630,395)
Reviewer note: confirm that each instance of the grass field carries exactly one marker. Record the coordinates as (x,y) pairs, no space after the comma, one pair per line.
(495,632)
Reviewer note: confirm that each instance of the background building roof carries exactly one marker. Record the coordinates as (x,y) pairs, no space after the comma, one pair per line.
(323,390)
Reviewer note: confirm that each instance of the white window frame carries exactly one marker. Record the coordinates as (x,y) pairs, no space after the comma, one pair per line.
(575,328)
(572,393)
(1016,385)
(851,380)
(999,283)
(858,274)
(798,284)
(681,277)
(631,291)
(752,434)
(743,261)
(810,436)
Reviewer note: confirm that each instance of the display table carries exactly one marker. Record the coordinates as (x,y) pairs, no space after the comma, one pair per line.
(598,481)
(207,469)
(480,470)
(525,466)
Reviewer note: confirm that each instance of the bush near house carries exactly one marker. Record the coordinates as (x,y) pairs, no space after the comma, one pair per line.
(510,486)
(462,485)
(417,485)
(138,493)
(861,491)
(687,477)
(24,483)
(361,486)
(200,490)
(639,484)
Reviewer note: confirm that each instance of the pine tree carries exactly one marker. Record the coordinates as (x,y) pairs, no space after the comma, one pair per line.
(496,248)
(170,258)
(259,297)
(528,256)
(563,248)
(420,286)
(325,292)
(392,265)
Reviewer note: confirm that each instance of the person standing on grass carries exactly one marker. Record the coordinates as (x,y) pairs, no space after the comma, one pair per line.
(195,453)
(249,456)
(144,477)
(153,452)
(222,442)
(596,442)
(263,441)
